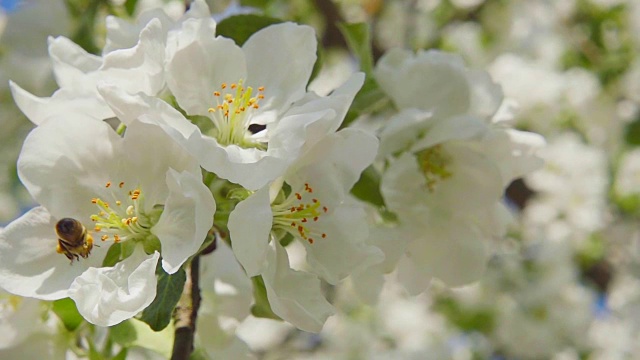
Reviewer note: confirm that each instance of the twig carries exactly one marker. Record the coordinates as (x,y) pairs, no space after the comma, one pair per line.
(186,313)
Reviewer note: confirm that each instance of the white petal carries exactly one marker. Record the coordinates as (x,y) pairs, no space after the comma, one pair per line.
(65,161)
(20,319)
(343,251)
(122,34)
(432,81)
(486,95)
(514,152)
(342,156)
(185,220)
(252,168)
(149,110)
(339,101)
(475,182)
(295,296)
(222,275)
(198,63)
(249,227)
(29,263)
(451,250)
(138,69)
(280,57)
(71,62)
(449,129)
(62,102)
(108,296)
(403,129)
(368,281)
(403,186)
(150,152)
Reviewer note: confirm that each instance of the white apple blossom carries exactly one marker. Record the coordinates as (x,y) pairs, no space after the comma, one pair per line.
(448,163)
(260,85)
(316,211)
(132,190)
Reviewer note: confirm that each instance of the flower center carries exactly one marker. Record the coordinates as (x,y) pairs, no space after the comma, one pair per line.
(8,304)
(298,213)
(127,219)
(232,114)
(434,163)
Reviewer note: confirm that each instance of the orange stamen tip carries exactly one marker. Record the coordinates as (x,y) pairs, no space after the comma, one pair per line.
(310,240)
(104,237)
(261,88)
(224,85)
(94,200)
(108,184)
(121,185)
(324,235)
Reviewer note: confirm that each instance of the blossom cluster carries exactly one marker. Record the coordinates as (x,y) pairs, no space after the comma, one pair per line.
(178,142)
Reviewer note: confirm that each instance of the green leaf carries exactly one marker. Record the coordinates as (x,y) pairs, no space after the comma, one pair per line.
(158,341)
(261,308)
(122,355)
(123,334)
(68,312)
(358,37)
(94,354)
(369,99)
(368,187)
(151,244)
(241,27)
(118,252)
(130,6)
(168,291)
(632,133)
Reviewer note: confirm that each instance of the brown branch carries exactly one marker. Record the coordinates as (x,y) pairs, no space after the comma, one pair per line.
(186,313)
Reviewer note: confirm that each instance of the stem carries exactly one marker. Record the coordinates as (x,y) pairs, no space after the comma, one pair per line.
(186,313)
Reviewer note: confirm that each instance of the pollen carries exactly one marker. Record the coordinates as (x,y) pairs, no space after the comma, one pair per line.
(127,220)
(434,165)
(232,112)
(295,213)
(108,184)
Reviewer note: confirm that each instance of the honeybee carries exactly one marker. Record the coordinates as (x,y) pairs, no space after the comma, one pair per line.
(74,240)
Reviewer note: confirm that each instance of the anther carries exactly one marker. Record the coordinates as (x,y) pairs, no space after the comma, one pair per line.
(108,184)
(121,185)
